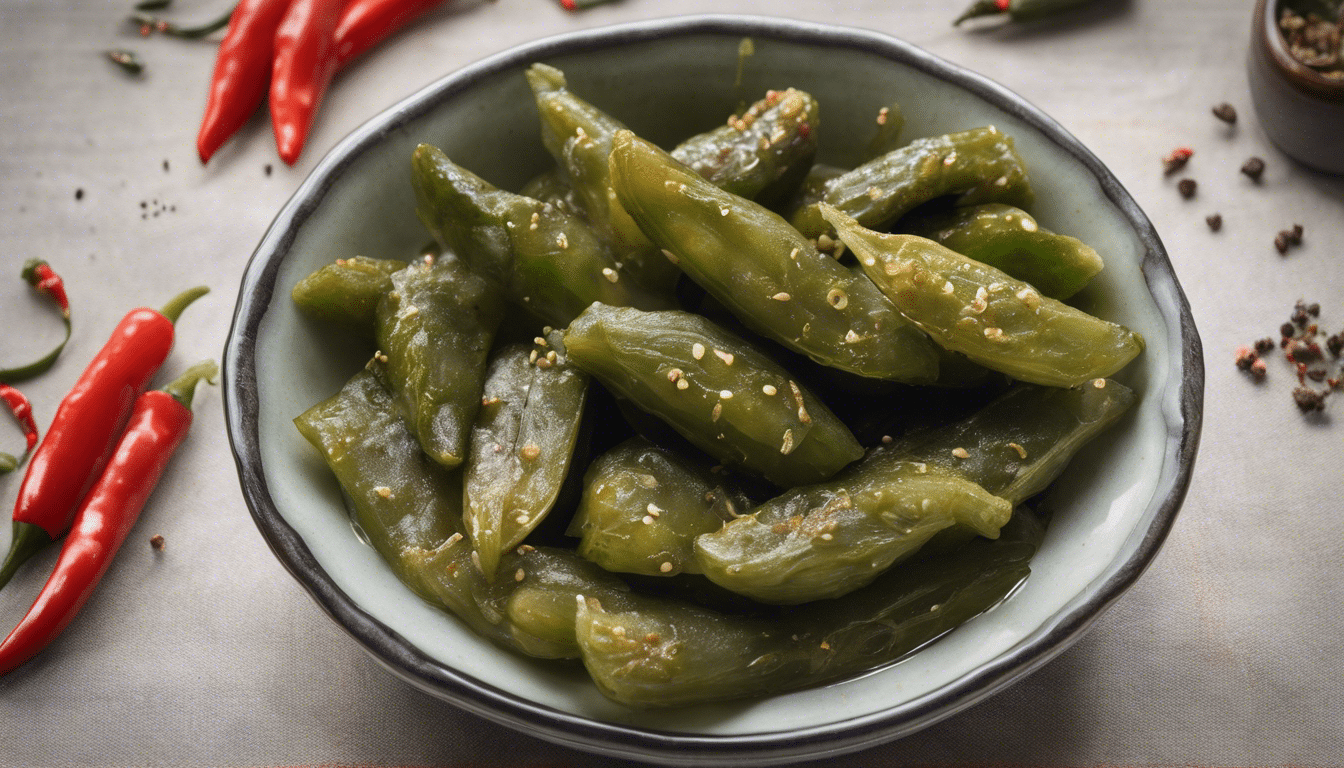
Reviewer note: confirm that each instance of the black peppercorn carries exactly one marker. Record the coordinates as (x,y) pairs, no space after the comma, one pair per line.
(1253,168)
(1187,188)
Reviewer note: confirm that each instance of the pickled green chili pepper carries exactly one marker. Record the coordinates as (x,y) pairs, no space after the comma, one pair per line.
(997,321)
(434,330)
(772,278)
(578,135)
(1010,239)
(409,509)
(763,153)
(824,541)
(719,392)
(546,260)
(666,654)
(1019,443)
(551,187)
(521,445)
(346,293)
(890,124)
(1018,10)
(643,506)
(980,165)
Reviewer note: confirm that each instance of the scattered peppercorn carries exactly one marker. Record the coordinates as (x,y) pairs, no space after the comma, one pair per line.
(1176,160)
(1335,344)
(165,166)
(1314,309)
(1253,168)
(1264,346)
(1245,358)
(1302,350)
(267,169)
(1215,221)
(79,193)
(1187,188)
(1226,112)
(1309,400)
(157,542)
(1287,330)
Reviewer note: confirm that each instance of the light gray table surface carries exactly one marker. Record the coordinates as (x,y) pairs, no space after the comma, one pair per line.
(1227,652)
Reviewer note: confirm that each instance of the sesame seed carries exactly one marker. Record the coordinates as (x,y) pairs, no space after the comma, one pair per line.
(1021,452)
(886,440)
(826,537)
(543,363)
(1002,181)
(995,334)
(456,537)
(921,468)
(1099,383)
(683,384)
(874,193)
(383,491)
(726,394)
(851,336)
(882,115)
(825,646)
(530,451)
(726,357)
(551,356)
(837,298)
(948,287)
(522,519)
(697,350)
(525,548)
(787,446)
(653,509)
(723,210)
(618,631)
(648,519)
(672,257)
(781,296)
(769,389)
(476,560)
(961,453)
(803,415)
(562,241)
(674,374)
(410,311)
(950,159)
(610,274)
(1028,224)
(794,254)
(718,411)
(665,567)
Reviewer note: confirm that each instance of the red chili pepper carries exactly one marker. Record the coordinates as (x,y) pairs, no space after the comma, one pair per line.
(44,280)
(158,424)
(85,430)
(365,23)
(242,70)
(579,5)
(305,60)
(23,413)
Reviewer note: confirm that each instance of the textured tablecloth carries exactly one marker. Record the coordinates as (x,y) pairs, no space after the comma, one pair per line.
(1226,653)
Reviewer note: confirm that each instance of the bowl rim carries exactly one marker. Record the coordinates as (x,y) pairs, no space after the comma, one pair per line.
(1182,400)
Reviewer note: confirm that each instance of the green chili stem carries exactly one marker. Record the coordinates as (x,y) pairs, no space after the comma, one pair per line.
(155,24)
(26,541)
(127,60)
(173,309)
(38,367)
(183,387)
(152,5)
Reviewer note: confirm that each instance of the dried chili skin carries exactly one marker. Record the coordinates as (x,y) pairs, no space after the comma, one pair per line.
(305,60)
(23,413)
(158,423)
(85,429)
(242,70)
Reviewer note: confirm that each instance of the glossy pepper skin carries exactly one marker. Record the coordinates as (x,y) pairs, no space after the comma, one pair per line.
(767,274)
(409,508)
(365,23)
(979,165)
(763,153)
(995,320)
(643,506)
(1009,239)
(522,444)
(827,540)
(21,409)
(666,654)
(434,330)
(158,423)
(1019,10)
(242,72)
(86,426)
(305,60)
(720,393)
(548,261)
(346,292)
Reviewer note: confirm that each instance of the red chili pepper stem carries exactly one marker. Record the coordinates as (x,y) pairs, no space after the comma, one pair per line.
(158,423)
(145,21)
(44,280)
(173,309)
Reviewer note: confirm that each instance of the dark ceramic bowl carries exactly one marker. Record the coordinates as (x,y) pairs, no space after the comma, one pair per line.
(1301,110)
(668,79)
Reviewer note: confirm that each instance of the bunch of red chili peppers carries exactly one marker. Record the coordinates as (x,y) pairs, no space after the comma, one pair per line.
(103,454)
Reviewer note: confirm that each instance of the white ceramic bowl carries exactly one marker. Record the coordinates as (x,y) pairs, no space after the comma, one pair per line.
(669,79)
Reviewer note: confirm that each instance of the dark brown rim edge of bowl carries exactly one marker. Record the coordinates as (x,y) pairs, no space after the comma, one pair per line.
(1182,401)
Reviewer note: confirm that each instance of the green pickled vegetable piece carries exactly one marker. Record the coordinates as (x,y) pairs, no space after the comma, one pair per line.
(434,332)
(890,123)
(994,319)
(761,154)
(578,135)
(723,395)
(980,165)
(664,654)
(1009,238)
(546,260)
(551,187)
(827,540)
(347,292)
(403,500)
(643,506)
(1019,443)
(768,275)
(521,445)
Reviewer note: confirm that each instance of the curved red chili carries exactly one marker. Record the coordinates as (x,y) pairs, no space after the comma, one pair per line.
(22,410)
(242,70)
(305,60)
(157,425)
(44,280)
(365,23)
(86,426)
